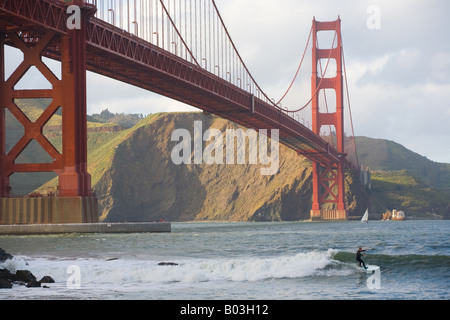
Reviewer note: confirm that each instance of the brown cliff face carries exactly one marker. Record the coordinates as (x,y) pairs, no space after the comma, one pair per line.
(142,183)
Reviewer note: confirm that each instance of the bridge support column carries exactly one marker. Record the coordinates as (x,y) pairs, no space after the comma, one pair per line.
(4,178)
(74,201)
(74,180)
(328,189)
(328,179)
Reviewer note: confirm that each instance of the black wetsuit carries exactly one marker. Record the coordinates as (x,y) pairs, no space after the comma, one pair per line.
(358,258)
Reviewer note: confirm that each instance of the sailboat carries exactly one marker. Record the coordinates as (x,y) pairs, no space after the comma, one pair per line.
(365,217)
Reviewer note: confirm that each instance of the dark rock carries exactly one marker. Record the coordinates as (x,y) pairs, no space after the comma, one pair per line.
(47,279)
(167,264)
(4,256)
(33,284)
(22,278)
(6,275)
(5,284)
(25,276)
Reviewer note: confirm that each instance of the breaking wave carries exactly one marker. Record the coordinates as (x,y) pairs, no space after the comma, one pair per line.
(122,271)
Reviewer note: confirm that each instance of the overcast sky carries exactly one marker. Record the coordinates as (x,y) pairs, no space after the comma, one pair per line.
(397,56)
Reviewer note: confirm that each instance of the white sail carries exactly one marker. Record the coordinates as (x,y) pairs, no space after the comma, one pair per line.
(365,217)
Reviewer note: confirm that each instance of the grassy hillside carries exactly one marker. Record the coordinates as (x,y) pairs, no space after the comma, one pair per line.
(387,155)
(402,191)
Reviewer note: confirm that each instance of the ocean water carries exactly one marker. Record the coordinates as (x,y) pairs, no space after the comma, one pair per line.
(235,261)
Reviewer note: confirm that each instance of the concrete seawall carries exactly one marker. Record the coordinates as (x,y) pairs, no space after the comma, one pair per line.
(116,227)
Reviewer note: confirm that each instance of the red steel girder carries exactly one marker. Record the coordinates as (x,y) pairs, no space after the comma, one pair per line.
(33,130)
(69,93)
(46,14)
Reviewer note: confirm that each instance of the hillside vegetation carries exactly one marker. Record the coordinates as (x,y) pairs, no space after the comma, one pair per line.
(402,191)
(385,155)
(404,180)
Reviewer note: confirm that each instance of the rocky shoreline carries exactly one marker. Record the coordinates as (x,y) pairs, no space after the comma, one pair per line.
(20,277)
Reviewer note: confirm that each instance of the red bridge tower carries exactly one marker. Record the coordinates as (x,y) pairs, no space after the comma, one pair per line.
(74,201)
(328,180)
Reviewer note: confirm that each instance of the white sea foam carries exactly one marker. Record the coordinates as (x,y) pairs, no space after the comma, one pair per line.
(128,272)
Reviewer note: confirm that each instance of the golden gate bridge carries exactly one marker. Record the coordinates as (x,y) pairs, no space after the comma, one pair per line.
(180,49)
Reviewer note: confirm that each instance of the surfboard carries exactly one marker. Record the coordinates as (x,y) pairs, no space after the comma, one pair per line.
(370,268)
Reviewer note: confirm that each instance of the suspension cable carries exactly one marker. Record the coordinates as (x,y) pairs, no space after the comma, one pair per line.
(321,79)
(298,69)
(178,32)
(238,55)
(348,101)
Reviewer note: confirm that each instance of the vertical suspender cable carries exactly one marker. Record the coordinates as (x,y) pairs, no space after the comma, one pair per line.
(169,18)
(348,101)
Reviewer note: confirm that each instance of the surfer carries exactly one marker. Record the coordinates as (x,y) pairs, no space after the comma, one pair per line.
(359,253)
